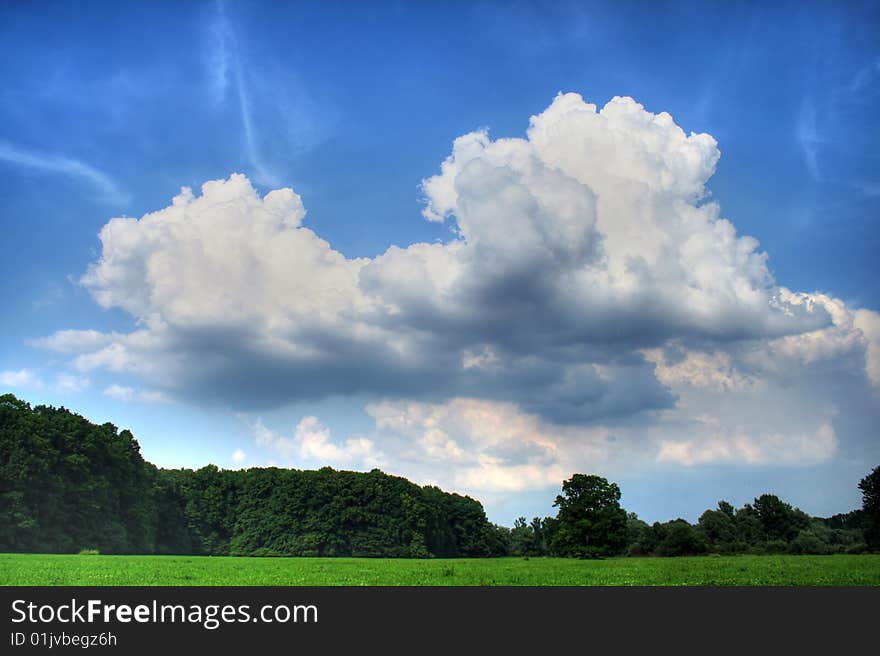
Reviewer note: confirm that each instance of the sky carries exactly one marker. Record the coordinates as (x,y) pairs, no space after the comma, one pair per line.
(480,245)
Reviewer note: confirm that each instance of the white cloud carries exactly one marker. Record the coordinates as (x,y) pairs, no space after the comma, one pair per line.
(589,278)
(714,370)
(311,442)
(483,446)
(278,117)
(120,392)
(66,166)
(807,135)
(753,449)
(223,259)
(21,378)
(313,439)
(868,322)
(130,394)
(848,343)
(75,341)
(71,383)
(597,222)
(482,359)
(218,54)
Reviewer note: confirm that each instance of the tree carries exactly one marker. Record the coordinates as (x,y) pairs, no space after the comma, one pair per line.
(779,520)
(549,528)
(639,537)
(748,527)
(678,538)
(528,539)
(591,523)
(718,526)
(870,487)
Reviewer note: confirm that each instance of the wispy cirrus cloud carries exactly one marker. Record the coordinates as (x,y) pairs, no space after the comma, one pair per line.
(108,190)
(865,76)
(808,137)
(218,53)
(226,69)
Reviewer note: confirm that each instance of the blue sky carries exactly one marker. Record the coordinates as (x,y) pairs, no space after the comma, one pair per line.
(679,379)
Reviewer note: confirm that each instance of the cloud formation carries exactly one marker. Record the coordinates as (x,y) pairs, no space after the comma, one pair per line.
(107,189)
(590,281)
(130,394)
(277,116)
(753,449)
(21,378)
(311,445)
(72,383)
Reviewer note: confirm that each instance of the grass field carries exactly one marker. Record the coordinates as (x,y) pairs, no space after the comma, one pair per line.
(37,569)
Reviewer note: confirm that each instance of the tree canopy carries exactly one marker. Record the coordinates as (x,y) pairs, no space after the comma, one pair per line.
(870,487)
(67,484)
(591,522)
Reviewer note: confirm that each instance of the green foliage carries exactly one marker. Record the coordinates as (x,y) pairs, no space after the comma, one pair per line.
(532,538)
(678,538)
(870,487)
(719,527)
(639,536)
(778,520)
(769,526)
(591,523)
(65,482)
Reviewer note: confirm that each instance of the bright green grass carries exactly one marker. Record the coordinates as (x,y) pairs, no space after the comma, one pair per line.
(38,569)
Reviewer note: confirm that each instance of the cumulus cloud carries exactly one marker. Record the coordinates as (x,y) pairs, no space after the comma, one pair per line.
(868,323)
(119,392)
(843,337)
(482,447)
(75,341)
(477,446)
(311,443)
(72,383)
(714,370)
(21,378)
(130,394)
(724,446)
(590,280)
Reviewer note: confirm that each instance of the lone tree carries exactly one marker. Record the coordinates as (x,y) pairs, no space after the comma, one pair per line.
(870,487)
(591,523)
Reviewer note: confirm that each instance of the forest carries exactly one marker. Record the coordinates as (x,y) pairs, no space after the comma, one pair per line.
(68,485)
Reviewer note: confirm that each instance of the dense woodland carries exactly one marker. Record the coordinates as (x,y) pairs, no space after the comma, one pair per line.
(68,485)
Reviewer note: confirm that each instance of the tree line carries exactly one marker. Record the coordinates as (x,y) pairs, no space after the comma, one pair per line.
(769,525)
(68,485)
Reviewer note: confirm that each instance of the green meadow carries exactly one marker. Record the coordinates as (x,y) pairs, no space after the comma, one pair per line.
(38,569)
